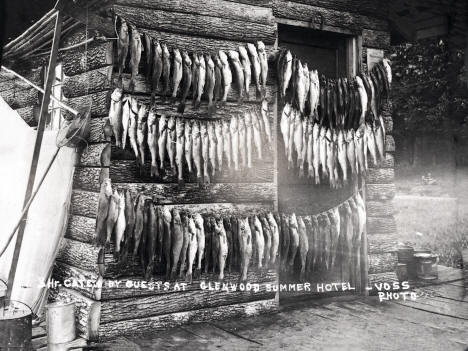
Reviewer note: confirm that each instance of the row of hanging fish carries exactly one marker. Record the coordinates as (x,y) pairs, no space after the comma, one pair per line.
(177,73)
(205,146)
(340,103)
(181,244)
(324,241)
(320,152)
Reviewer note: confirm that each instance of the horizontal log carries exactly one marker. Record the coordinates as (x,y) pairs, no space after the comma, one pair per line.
(210,193)
(34,75)
(89,82)
(156,305)
(94,155)
(87,312)
(387,162)
(142,86)
(204,26)
(127,171)
(66,274)
(28,114)
(87,178)
(263,3)
(151,324)
(78,60)
(192,43)
(375,39)
(382,262)
(99,104)
(381,225)
(84,203)
(382,243)
(330,18)
(385,277)
(81,228)
(380,175)
(211,8)
(380,208)
(17,98)
(365,7)
(380,192)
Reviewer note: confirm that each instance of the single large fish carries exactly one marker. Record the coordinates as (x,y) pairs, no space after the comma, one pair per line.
(166,70)
(185,244)
(334,216)
(286,73)
(256,66)
(223,247)
(148,48)
(303,246)
(142,129)
(217,94)
(177,240)
(157,66)
(218,125)
(177,72)
(234,131)
(122,45)
(130,224)
(167,238)
(212,152)
(192,249)
(112,215)
(180,147)
(205,149)
(227,75)
(294,239)
(116,115)
(285,242)
(314,93)
(201,240)
(188,144)
(242,141)
(120,223)
(197,150)
(153,135)
(126,110)
(238,70)
(245,241)
(135,55)
(257,137)
(342,155)
(285,125)
(266,120)
(227,146)
(171,141)
(274,237)
(186,80)
(298,137)
(316,152)
(162,140)
(300,86)
(262,55)
(303,152)
(104,202)
(139,224)
(210,81)
(249,137)
(310,148)
(246,66)
(132,127)
(259,241)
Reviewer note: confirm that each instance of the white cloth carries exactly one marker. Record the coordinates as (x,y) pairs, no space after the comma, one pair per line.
(48,212)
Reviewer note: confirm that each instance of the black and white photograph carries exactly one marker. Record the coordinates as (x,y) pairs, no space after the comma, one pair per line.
(233,175)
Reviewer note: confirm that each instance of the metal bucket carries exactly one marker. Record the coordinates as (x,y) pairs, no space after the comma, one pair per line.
(15,327)
(61,322)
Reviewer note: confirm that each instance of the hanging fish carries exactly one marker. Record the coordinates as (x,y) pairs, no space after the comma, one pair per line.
(300,86)
(310,148)
(188,144)
(141,133)
(248,137)
(195,73)
(285,125)
(132,126)
(185,244)
(227,75)
(285,240)
(229,235)
(245,240)
(157,67)
(294,239)
(323,151)
(186,80)
(246,66)
(167,239)
(242,131)
(257,137)
(212,146)
(145,255)
(371,143)
(176,72)
(305,70)
(166,70)
(256,67)
(135,55)
(115,115)
(201,80)
(274,230)
(105,198)
(219,143)
(205,149)
(223,249)
(139,224)
(152,239)
(123,43)
(303,152)
(148,47)
(266,120)
(292,132)
(192,249)
(180,146)
(303,246)
(126,110)
(171,141)
(201,240)
(262,55)
(334,217)
(227,147)
(286,73)
(259,240)
(177,240)
(162,140)
(330,158)
(197,150)
(210,81)
(342,155)
(153,136)
(298,137)
(217,94)
(316,152)
(238,70)
(130,224)
(363,101)
(314,93)
(234,131)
